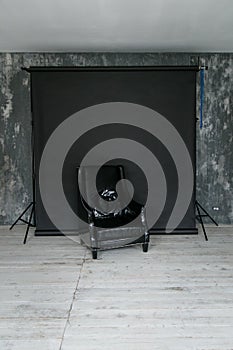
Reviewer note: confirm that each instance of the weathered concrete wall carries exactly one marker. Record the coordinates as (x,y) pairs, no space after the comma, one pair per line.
(214,141)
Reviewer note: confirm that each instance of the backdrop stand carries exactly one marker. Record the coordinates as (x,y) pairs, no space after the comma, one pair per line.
(199,217)
(198,206)
(31,205)
(28,222)
(60,100)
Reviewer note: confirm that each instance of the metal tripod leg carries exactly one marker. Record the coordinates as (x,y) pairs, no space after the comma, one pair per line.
(21,215)
(206,213)
(28,222)
(28,225)
(201,221)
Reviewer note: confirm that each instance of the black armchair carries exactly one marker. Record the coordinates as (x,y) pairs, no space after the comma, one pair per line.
(112,222)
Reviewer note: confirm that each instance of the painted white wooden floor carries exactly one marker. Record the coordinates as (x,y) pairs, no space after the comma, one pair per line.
(178,296)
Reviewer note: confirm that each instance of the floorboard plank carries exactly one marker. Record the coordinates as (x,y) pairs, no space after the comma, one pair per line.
(178,296)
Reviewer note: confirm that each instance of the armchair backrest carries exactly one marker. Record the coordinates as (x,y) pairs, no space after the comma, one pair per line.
(106,180)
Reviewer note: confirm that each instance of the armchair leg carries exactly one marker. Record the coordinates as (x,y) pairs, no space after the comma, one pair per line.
(145,247)
(94,240)
(145,244)
(94,253)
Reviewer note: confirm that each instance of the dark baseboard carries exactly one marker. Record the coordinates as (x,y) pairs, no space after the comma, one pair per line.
(159,231)
(177,231)
(54,232)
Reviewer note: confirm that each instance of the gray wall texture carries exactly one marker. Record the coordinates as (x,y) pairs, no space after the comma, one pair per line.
(214,141)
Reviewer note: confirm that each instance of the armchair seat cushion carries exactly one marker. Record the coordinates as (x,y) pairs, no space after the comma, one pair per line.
(118,218)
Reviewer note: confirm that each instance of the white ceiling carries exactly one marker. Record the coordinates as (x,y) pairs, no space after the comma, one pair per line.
(116,25)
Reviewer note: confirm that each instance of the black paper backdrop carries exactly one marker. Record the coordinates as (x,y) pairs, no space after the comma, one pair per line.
(57,93)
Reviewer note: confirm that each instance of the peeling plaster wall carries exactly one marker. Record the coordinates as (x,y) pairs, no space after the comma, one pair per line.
(214,141)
